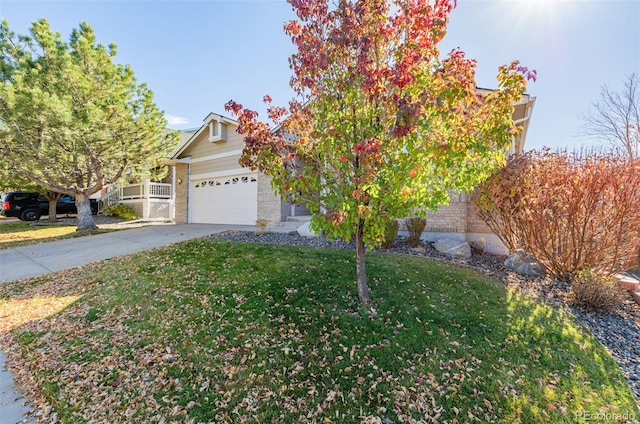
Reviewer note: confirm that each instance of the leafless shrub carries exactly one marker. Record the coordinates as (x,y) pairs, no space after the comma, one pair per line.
(261,226)
(595,292)
(390,233)
(415,226)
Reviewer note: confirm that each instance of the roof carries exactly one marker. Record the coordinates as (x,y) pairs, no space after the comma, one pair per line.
(189,135)
(521,116)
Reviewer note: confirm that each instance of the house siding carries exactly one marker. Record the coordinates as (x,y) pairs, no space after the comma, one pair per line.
(202,147)
(221,164)
(207,158)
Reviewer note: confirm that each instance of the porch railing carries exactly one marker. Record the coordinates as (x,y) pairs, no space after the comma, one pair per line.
(146,190)
(109,199)
(145,198)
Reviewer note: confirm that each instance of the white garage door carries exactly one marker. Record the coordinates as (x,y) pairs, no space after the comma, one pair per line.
(225,200)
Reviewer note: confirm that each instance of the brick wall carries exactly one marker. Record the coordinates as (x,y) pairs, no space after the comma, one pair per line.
(457,217)
(458,221)
(449,219)
(269,203)
(182,193)
(474,223)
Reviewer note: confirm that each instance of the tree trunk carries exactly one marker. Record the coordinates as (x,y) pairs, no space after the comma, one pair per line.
(53,203)
(85,218)
(363,289)
(53,198)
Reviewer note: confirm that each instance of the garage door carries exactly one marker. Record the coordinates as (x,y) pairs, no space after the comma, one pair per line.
(225,200)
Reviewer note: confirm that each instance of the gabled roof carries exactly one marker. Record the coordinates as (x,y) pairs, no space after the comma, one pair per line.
(190,135)
(521,116)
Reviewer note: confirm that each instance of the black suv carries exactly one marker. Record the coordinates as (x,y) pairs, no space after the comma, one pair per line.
(30,206)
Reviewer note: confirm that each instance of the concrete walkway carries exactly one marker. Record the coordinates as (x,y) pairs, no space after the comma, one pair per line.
(43,258)
(31,261)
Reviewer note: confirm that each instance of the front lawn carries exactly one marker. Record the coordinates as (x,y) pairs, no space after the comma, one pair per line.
(20,233)
(210,331)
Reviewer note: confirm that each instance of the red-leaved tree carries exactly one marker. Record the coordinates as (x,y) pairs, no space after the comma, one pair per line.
(382,128)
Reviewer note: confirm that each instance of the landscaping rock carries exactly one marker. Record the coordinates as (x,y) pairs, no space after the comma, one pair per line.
(305,230)
(451,247)
(524,264)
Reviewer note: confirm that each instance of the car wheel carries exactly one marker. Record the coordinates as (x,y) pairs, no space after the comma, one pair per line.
(30,215)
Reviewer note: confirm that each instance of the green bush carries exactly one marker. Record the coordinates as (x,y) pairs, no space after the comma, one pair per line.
(595,292)
(390,233)
(119,211)
(415,226)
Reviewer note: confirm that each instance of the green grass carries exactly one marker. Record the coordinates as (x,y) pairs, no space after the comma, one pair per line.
(27,233)
(209,331)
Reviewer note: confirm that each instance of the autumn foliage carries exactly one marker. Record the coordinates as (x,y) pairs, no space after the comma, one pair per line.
(382,127)
(571,211)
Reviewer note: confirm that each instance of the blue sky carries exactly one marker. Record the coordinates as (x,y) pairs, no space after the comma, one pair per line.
(196,55)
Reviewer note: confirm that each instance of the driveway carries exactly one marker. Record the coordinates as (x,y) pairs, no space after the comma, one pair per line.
(39,259)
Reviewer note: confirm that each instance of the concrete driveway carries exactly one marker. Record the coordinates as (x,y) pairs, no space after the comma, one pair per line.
(43,258)
(31,261)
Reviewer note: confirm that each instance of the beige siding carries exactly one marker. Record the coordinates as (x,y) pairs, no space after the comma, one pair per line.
(202,147)
(215,165)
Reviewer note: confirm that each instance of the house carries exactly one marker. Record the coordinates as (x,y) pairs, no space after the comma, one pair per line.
(458,220)
(211,186)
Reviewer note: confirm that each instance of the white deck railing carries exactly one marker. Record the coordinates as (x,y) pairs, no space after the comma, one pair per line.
(146,198)
(111,198)
(146,190)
